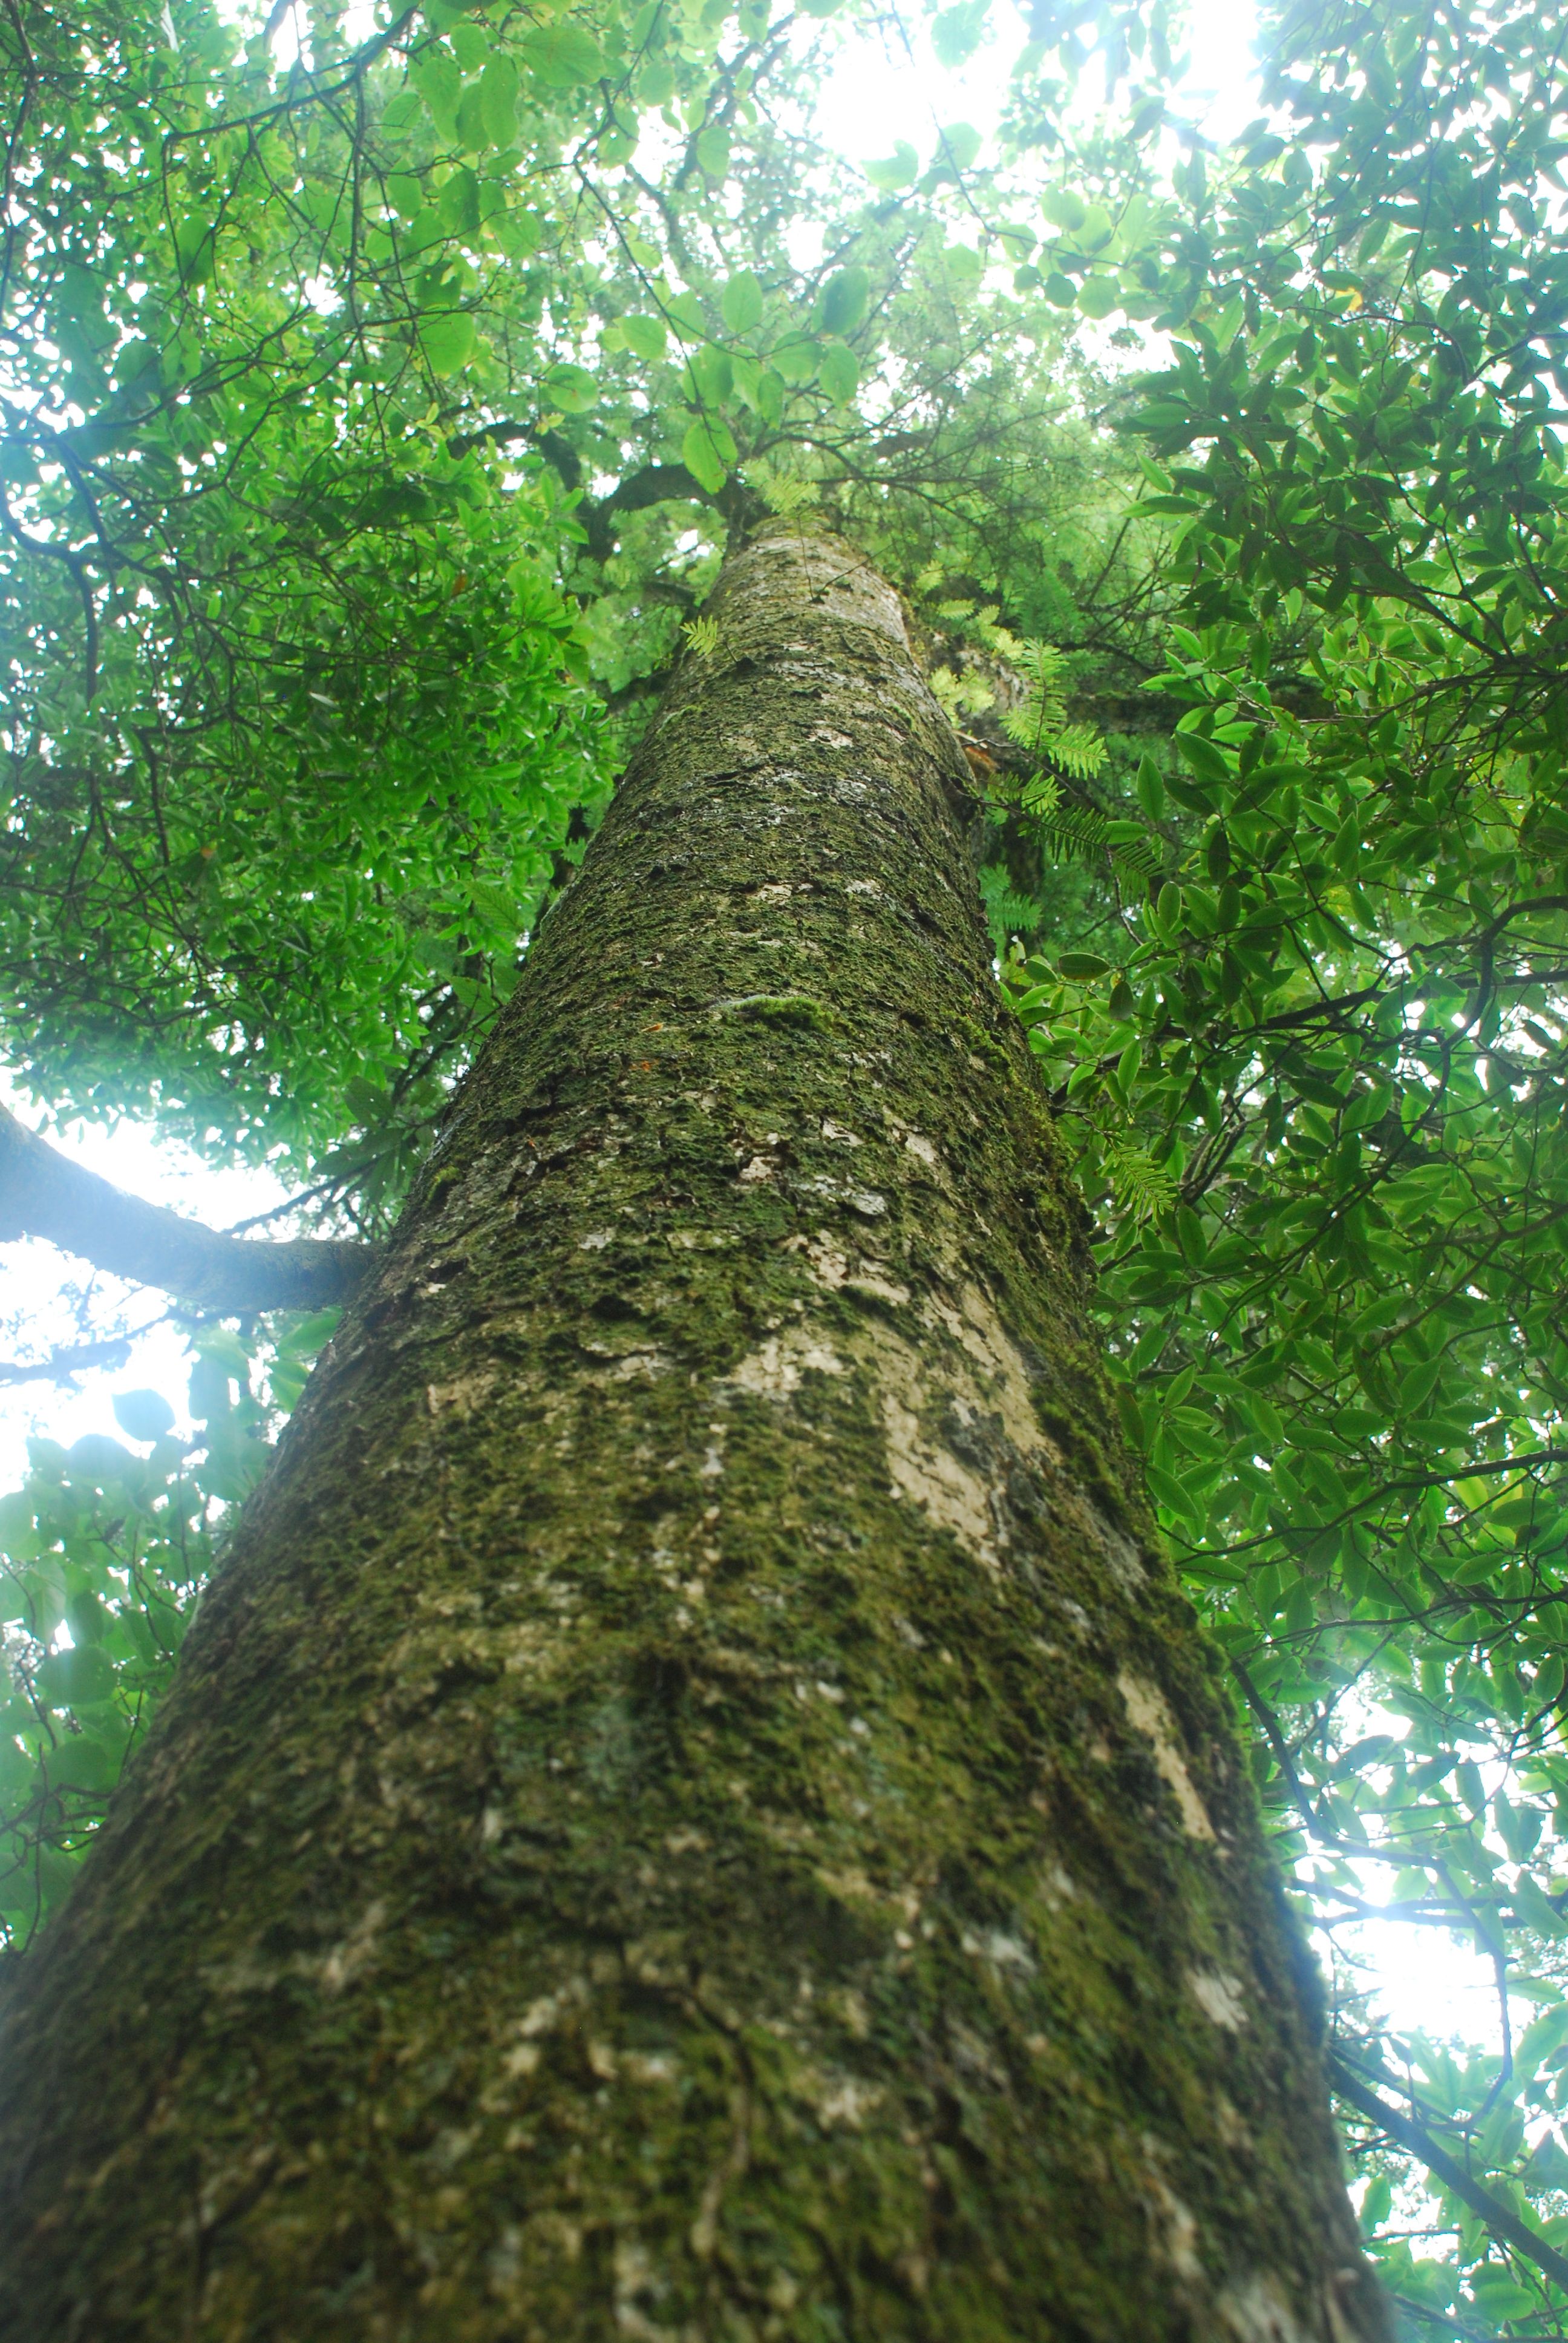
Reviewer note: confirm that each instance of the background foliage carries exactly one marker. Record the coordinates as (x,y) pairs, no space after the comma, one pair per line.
(373,422)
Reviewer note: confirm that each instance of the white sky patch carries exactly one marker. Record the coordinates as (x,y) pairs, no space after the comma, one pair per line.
(49,1297)
(879,92)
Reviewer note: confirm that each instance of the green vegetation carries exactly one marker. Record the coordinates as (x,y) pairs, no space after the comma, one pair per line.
(371,424)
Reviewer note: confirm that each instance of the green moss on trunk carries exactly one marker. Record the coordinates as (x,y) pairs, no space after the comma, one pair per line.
(695,1809)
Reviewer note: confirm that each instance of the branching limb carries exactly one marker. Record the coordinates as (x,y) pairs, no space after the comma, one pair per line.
(73,1359)
(43,1195)
(1421,2144)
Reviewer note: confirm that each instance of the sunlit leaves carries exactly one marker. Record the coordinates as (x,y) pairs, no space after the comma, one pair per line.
(564,55)
(447,340)
(845,301)
(957,32)
(900,169)
(570,388)
(740,304)
(646,336)
(707,449)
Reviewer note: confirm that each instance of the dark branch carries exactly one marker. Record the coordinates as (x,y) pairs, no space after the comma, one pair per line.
(652,484)
(43,1195)
(63,1364)
(1415,2137)
(655,484)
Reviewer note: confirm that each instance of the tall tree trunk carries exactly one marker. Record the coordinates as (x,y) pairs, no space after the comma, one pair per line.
(694,1809)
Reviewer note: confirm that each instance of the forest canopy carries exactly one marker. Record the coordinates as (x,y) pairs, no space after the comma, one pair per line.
(378,390)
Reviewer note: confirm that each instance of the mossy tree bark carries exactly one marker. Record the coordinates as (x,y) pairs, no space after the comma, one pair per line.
(695,1808)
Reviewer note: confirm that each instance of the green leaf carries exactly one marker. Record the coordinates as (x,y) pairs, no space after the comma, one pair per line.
(1062,208)
(447,340)
(901,169)
(1098,295)
(1207,761)
(499,85)
(98,1459)
(311,1335)
(196,243)
(839,373)
(712,375)
(712,150)
(959,145)
(144,1414)
(1537,1912)
(458,203)
(562,54)
(645,336)
(77,1678)
(740,304)
(401,111)
(1150,788)
(571,388)
(797,356)
(703,452)
(957,32)
(439,79)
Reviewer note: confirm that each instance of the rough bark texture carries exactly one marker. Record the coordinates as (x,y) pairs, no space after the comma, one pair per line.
(695,1809)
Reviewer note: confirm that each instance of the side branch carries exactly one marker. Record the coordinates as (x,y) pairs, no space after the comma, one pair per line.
(1421,2144)
(43,1195)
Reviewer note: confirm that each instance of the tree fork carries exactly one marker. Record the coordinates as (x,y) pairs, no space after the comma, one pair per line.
(694,1807)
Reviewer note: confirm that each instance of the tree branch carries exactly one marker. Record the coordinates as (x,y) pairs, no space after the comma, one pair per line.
(1419,2142)
(43,1194)
(62,1364)
(651,484)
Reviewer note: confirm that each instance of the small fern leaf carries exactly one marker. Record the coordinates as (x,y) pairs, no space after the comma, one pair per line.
(1073,834)
(1007,911)
(1141,1187)
(1078,749)
(782,492)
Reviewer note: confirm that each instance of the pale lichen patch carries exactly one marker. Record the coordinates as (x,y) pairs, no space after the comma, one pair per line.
(462,1393)
(1255,2311)
(1220,1996)
(1147,1708)
(1007,1391)
(775,1369)
(345,1960)
(933,1479)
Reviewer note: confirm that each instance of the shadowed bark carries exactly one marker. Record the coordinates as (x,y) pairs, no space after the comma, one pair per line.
(695,1808)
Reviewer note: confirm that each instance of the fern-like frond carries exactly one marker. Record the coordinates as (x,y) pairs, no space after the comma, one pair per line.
(1140,1186)
(782,492)
(702,634)
(1007,911)
(1074,834)
(1042,796)
(1079,749)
